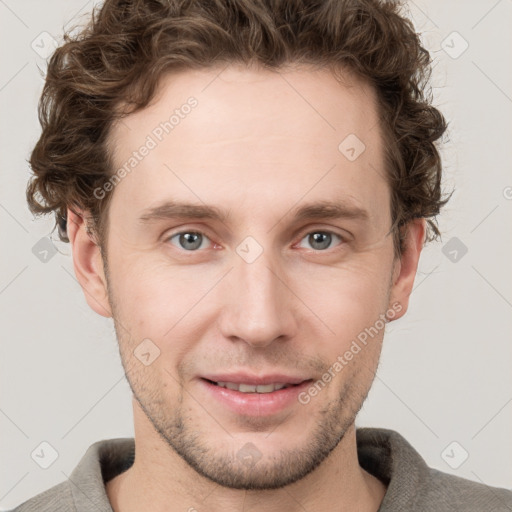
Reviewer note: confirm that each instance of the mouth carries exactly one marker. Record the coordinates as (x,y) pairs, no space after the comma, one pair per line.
(251,388)
(261,399)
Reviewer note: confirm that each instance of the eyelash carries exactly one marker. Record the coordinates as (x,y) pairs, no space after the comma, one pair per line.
(197,232)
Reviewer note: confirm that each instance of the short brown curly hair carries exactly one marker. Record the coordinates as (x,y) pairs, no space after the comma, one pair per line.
(119,57)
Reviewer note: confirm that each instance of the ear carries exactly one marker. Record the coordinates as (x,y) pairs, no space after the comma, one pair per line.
(404,271)
(88,264)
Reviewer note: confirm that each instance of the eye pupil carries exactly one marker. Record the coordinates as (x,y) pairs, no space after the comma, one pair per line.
(190,238)
(323,238)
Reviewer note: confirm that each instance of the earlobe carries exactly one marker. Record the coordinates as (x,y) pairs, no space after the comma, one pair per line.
(88,264)
(405,268)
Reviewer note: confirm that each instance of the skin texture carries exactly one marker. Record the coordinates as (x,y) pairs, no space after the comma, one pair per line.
(259,144)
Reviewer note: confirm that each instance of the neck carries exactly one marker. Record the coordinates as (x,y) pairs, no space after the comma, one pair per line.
(160,480)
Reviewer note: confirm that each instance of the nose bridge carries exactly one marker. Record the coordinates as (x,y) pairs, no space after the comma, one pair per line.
(259,308)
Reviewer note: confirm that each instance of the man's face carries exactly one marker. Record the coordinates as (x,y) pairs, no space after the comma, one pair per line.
(258,292)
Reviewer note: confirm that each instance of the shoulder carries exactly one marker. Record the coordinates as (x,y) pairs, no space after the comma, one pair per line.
(462,494)
(58,498)
(414,486)
(84,490)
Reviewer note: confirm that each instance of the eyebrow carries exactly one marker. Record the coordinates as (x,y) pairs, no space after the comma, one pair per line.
(317,210)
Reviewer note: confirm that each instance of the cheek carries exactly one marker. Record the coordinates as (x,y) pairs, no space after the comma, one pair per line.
(347,303)
(358,287)
(153,298)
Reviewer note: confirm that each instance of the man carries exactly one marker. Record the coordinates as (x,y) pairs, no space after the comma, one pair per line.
(247,187)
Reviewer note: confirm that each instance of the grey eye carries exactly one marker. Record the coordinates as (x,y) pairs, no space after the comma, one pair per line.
(320,240)
(188,240)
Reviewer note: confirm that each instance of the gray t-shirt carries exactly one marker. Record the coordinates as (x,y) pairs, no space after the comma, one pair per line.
(411,485)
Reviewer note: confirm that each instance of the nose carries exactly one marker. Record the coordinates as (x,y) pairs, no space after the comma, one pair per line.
(260,306)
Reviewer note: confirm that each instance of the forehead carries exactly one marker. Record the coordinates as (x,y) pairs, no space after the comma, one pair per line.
(255,136)
(303,100)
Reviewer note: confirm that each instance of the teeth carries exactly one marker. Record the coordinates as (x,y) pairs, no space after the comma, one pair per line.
(251,388)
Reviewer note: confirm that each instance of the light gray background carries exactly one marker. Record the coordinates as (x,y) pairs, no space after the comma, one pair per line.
(445,369)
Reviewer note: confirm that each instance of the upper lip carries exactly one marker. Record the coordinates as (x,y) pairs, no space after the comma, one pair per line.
(255,380)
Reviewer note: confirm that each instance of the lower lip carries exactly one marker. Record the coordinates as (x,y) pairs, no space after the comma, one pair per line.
(255,404)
